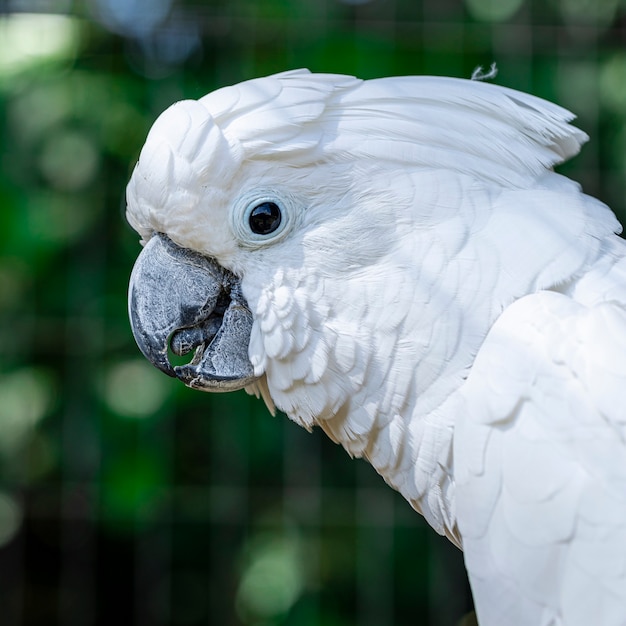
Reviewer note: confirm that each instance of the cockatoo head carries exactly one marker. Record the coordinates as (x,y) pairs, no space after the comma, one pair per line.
(232,195)
(300,230)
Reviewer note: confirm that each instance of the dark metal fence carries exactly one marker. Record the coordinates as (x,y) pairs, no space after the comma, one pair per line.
(124,497)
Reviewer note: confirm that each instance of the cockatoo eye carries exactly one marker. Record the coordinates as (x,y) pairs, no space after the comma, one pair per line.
(265,218)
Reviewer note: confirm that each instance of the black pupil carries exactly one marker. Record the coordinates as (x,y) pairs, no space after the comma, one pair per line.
(265,218)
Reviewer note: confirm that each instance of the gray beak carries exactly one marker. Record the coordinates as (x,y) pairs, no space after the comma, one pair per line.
(181,301)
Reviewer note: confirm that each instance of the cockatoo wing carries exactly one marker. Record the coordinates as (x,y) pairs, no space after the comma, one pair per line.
(540,464)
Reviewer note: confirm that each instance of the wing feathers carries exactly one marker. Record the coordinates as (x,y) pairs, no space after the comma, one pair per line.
(547,514)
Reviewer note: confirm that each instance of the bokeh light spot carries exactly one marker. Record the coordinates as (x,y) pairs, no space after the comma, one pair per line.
(578,83)
(28,39)
(69,160)
(273,578)
(613,83)
(135,389)
(132,17)
(10,518)
(598,12)
(58,218)
(493,10)
(26,396)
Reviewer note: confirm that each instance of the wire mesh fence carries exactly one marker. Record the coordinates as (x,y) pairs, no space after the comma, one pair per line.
(125,497)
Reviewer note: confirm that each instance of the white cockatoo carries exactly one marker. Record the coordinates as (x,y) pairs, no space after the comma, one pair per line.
(395,261)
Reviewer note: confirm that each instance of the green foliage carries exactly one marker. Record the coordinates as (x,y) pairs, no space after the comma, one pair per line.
(124,496)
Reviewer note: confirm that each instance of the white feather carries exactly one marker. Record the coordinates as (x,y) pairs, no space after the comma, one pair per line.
(538,488)
(444,305)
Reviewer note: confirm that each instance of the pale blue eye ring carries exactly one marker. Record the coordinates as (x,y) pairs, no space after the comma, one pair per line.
(262,217)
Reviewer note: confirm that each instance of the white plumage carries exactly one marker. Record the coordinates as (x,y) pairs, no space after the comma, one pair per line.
(437,299)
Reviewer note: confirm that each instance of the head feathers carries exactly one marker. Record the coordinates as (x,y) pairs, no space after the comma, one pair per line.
(487,132)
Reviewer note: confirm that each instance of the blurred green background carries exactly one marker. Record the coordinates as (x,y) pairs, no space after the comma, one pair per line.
(126,498)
